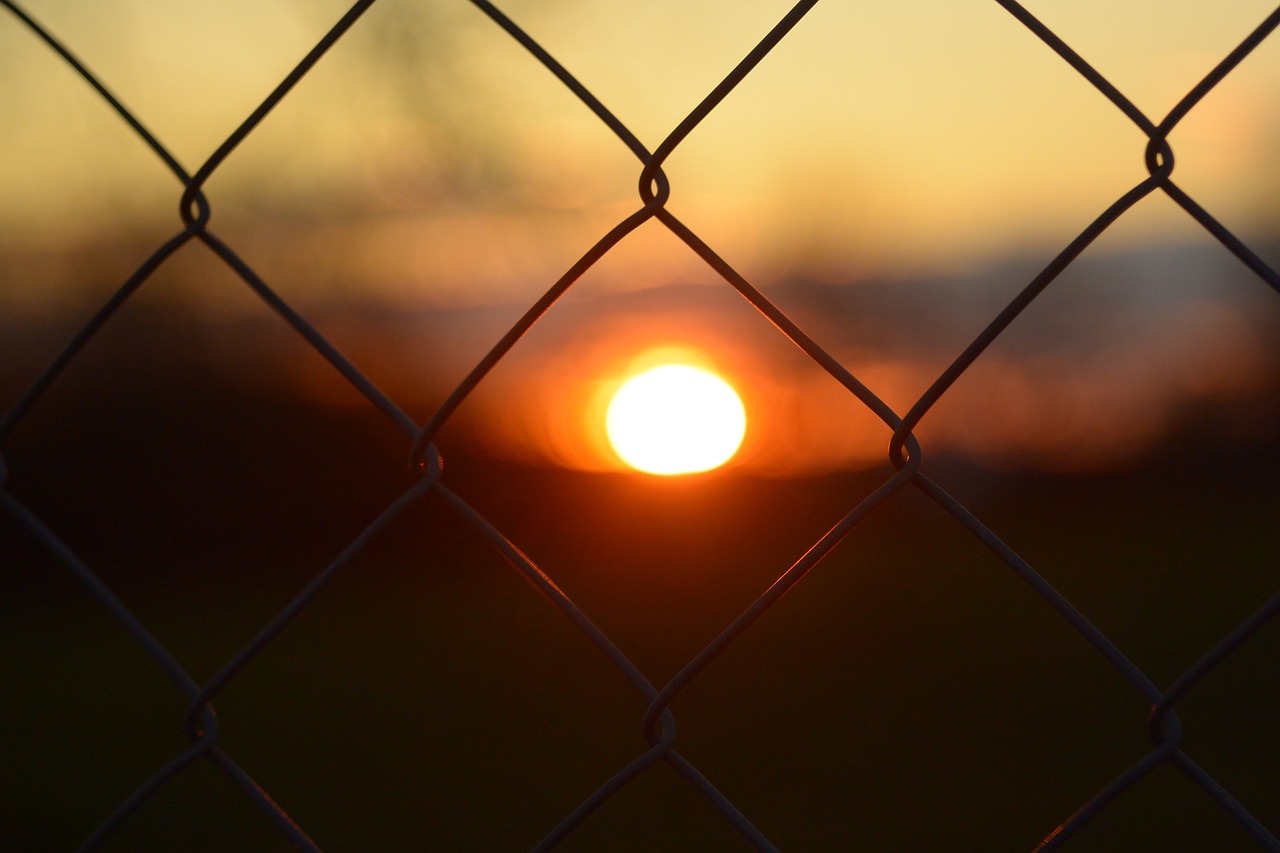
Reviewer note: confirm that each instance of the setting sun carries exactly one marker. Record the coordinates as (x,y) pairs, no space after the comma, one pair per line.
(676,419)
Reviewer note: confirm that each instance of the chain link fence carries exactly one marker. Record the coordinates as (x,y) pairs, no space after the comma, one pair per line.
(200,724)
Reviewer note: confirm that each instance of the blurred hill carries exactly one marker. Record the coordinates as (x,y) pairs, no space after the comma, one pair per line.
(207,465)
(1116,356)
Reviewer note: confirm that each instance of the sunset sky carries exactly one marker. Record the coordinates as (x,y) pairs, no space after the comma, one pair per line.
(429,163)
(903,134)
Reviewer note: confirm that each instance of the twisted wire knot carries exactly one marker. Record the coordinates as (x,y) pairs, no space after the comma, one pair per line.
(1158,158)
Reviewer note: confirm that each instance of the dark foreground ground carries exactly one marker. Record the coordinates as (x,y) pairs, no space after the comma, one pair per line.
(911,693)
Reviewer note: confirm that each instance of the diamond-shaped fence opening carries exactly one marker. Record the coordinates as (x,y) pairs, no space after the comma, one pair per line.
(827,723)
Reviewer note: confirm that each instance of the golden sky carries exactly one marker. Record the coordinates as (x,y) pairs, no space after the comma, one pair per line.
(428,162)
(908,136)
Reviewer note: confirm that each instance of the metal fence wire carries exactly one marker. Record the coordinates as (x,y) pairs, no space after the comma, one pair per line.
(658,725)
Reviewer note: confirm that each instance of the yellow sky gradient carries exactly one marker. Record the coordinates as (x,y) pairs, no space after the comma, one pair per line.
(430,164)
(430,157)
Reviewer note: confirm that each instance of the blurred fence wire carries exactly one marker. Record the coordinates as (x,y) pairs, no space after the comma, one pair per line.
(658,723)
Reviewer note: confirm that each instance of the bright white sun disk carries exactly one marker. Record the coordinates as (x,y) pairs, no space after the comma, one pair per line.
(676,419)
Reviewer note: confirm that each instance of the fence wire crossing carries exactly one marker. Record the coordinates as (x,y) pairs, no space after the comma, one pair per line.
(658,725)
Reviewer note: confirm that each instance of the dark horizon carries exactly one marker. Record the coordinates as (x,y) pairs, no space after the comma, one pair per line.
(1140,347)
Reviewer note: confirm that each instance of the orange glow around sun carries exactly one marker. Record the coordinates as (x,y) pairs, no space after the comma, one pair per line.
(676,419)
